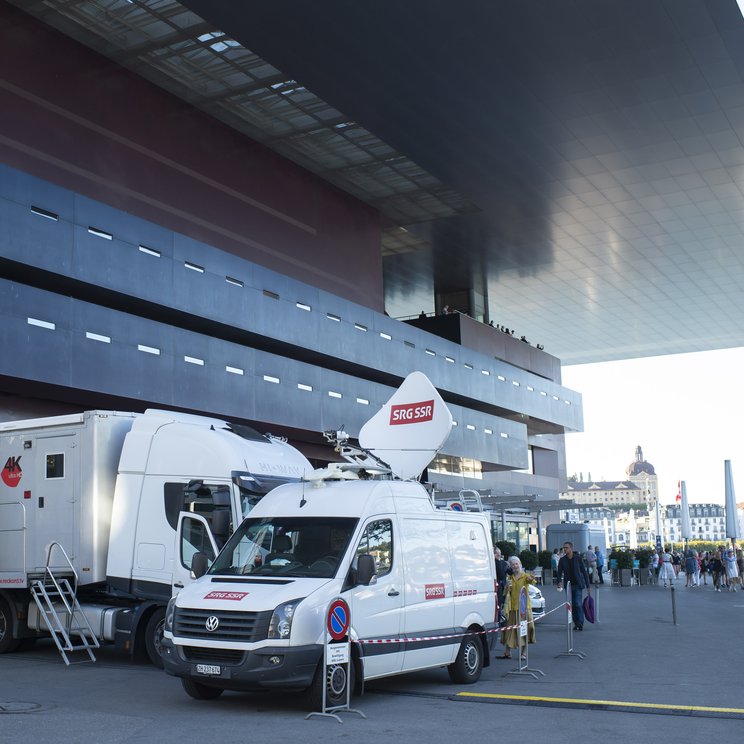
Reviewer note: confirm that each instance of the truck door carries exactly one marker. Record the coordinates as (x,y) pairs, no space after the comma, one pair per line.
(193,535)
(376,609)
(55,499)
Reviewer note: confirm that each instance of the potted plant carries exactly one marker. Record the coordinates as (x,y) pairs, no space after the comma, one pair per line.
(544,560)
(529,560)
(644,559)
(625,560)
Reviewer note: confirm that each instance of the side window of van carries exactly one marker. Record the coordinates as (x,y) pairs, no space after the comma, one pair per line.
(377,541)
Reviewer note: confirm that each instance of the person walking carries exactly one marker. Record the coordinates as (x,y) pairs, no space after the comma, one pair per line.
(502,571)
(653,567)
(591,564)
(667,568)
(716,569)
(705,567)
(732,570)
(690,565)
(600,563)
(572,569)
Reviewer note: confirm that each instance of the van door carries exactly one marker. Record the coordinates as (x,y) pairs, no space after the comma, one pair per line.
(193,535)
(376,609)
(429,608)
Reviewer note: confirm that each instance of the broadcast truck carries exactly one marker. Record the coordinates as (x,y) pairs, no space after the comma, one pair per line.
(419,581)
(102,511)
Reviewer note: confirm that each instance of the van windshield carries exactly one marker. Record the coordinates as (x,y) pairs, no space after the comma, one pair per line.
(286,546)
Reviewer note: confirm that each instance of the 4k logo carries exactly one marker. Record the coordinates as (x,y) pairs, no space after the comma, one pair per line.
(12,472)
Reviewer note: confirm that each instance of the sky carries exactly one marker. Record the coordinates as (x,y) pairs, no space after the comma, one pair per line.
(685,410)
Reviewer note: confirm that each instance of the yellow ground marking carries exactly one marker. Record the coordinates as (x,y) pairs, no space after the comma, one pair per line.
(615,703)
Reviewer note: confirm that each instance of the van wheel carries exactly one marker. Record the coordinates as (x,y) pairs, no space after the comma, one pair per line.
(336,679)
(467,667)
(7,642)
(199,691)
(154,637)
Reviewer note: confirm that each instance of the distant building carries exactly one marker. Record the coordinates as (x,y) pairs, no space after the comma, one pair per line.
(607,493)
(708,522)
(643,474)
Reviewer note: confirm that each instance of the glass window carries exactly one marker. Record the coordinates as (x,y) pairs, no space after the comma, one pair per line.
(211,501)
(377,541)
(287,546)
(55,466)
(195,538)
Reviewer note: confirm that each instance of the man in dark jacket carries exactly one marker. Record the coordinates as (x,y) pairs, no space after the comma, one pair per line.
(502,570)
(571,568)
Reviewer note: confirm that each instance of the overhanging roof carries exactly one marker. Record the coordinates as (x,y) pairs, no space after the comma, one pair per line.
(581,163)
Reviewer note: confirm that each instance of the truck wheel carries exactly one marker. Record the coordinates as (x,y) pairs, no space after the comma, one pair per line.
(199,691)
(7,642)
(467,667)
(335,679)
(154,637)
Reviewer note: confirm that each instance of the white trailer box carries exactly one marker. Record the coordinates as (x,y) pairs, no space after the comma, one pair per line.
(63,491)
(129,498)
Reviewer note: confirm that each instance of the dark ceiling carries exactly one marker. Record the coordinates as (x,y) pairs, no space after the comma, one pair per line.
(593,147)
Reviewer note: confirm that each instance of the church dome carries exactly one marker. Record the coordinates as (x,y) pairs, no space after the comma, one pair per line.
(639,465)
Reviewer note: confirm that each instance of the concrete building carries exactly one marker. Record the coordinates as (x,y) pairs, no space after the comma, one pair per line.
(203,208)
(155,255)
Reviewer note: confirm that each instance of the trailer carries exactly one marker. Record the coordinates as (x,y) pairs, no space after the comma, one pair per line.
(102,511)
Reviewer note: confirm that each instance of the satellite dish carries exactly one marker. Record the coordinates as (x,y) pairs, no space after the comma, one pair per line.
(409,430)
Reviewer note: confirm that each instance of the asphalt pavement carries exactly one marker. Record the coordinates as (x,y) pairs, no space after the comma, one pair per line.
(635,654)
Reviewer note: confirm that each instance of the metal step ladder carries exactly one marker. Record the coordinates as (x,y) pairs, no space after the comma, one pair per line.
(56,599)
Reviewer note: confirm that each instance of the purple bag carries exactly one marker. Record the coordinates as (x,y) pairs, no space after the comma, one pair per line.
(589,608)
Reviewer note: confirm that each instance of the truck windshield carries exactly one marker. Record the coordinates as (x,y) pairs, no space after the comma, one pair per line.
(286,546)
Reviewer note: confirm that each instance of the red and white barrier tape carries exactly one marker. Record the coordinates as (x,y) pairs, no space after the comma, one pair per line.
(456,635)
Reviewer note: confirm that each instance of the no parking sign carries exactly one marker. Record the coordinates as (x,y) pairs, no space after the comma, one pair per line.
(338,619)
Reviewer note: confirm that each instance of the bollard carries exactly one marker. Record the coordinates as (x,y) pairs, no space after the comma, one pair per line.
(596,604)
(674,607)
(569,628)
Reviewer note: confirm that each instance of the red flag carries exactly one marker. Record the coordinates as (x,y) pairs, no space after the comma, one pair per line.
(679,491)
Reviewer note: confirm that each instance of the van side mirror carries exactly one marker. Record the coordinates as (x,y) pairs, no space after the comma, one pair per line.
(199,564)
(366,570)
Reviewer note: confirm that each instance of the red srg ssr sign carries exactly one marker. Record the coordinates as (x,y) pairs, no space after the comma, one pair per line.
(434,591)
(412,413)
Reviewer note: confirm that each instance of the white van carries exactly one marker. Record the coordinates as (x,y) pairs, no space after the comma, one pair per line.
(419,582)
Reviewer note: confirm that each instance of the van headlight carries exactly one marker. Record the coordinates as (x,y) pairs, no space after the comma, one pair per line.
(170,612)
(280,625)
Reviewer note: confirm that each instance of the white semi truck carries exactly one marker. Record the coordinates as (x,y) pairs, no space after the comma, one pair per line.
(101,513)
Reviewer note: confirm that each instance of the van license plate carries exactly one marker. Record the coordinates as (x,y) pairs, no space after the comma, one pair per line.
(208,669)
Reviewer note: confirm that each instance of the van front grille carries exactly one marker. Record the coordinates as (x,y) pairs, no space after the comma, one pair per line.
(246,627)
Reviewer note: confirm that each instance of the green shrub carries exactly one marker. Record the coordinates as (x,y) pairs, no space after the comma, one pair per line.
(543,559)
(625,558)
(507,548)
(644,557)
(529,559)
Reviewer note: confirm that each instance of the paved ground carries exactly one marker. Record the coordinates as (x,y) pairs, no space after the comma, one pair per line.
(634,654)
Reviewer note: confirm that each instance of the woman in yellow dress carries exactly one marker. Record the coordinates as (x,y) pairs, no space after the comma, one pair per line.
(518,579)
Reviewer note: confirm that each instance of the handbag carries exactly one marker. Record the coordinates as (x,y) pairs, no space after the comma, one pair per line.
(588,606)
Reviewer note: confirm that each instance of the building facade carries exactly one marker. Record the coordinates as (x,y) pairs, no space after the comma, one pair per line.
(154,257)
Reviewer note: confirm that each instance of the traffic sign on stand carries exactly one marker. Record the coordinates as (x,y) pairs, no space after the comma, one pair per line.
(338,619)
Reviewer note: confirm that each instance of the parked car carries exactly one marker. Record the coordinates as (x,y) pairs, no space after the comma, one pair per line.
(537,601)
